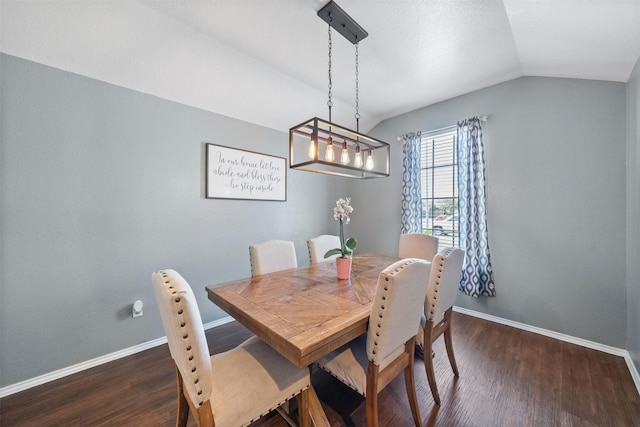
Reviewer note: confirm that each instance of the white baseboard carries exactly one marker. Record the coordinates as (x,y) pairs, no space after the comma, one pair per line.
(633,371)
(562,337)
(60,373)
(24,385)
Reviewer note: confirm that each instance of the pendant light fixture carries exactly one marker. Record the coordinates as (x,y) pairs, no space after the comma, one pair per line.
(313,144)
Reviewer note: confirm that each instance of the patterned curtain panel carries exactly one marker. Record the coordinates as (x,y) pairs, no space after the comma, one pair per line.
(477,273)
(411,203)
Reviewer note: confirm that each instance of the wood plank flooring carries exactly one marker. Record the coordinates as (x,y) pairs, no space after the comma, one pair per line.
(508,377)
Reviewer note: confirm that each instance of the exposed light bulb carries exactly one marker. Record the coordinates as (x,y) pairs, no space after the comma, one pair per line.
(344,157)
(357,160)
(329,155)
(369,163)
(312,149)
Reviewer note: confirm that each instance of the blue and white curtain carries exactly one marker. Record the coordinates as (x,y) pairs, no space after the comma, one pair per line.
(477,272)
(411,221)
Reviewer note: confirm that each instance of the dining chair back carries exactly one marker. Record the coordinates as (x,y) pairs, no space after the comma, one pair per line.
(369,363)
(417,245)
(444,279)
(272,255)
(318,246)
(233,388)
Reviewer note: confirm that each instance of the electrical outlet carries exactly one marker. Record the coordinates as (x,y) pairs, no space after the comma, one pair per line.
(136,309)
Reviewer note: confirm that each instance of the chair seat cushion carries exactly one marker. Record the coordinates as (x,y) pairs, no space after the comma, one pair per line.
(350,363)
(247,381)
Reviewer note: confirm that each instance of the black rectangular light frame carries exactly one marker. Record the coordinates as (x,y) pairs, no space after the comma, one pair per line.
(318,130)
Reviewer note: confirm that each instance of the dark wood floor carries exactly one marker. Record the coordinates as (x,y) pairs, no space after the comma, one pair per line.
(508,377)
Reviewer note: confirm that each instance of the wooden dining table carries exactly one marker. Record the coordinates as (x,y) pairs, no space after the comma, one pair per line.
(305,313)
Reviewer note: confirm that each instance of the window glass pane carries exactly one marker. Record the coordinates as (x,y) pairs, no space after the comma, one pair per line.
(423,187)
(443,181)
(442,153)
(440,187)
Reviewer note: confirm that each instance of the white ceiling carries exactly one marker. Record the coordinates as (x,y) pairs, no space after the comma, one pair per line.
(266,61)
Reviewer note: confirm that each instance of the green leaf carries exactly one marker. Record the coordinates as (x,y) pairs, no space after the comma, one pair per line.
(347,249)
(350,245)
(333,252)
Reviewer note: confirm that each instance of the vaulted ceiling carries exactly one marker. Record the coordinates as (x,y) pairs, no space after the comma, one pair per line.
(266,62)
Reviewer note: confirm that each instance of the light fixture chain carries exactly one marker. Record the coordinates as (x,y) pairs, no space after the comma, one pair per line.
(357,116)
(329,102)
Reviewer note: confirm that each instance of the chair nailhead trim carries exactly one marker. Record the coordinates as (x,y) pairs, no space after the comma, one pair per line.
(278,405)
(384,298)
(441,262)
(183,324)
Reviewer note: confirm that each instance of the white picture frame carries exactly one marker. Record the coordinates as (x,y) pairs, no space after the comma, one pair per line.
(234,173)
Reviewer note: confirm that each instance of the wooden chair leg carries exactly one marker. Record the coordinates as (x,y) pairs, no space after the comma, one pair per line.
(448,342)
(183,406)
(372,395)
(410,384)
(428,361)
(303,409)
(372,410)
(204,415)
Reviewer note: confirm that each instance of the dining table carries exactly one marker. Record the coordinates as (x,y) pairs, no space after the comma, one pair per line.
(305,313)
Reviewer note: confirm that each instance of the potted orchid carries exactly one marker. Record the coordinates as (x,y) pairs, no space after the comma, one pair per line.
(343,263)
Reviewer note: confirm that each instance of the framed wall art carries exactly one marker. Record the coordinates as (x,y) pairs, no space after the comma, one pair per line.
(239,174)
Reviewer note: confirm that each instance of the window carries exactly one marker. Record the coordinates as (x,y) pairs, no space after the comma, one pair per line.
(439,175)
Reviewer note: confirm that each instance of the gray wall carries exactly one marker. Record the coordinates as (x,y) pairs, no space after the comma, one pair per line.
(633,216)
(102,186)
(555,162)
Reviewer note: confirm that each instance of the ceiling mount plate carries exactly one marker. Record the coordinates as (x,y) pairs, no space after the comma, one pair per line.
(333,15)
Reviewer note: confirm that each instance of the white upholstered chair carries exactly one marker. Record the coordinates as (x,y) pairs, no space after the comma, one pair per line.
(272,255)
(318,246)
(233,388)
(446,269)
(417,245)
(423,246)
(268,257)
(371,361)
